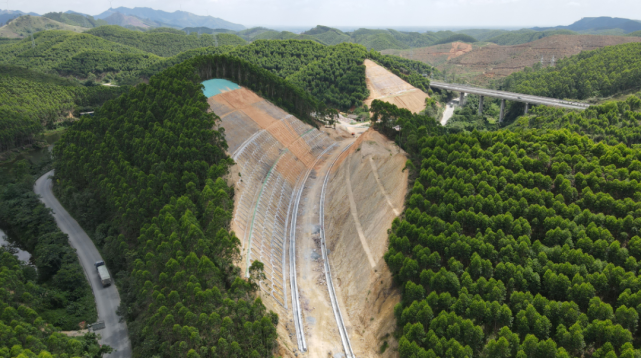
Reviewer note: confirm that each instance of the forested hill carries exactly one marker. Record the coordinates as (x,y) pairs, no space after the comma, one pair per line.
(163,44)
(515,244)
(33,101)
(162,210)
(597,73)
(612,122)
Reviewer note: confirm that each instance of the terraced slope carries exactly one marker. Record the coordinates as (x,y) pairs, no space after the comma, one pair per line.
(274,152)
(283,167)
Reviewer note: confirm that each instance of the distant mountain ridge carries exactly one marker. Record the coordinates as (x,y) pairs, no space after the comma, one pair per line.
(6,15)
(599,24)
(179,19)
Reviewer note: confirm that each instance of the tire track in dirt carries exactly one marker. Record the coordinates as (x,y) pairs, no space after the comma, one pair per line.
(380,186)
(357,222)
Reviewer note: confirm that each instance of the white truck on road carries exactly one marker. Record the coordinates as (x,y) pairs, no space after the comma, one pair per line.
(105,278)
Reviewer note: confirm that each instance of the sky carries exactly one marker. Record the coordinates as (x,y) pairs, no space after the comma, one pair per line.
(371,13)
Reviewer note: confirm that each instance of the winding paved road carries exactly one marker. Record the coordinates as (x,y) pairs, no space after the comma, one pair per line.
(107,298)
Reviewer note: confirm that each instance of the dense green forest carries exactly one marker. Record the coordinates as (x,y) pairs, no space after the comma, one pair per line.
(163,44)
(55,47)
(23,330)
(601,73)
(33,101)
(328,35)
(515,244)
(337,79)
(525,36)
(283,58)
(36,304)
(160,210)
(612,122)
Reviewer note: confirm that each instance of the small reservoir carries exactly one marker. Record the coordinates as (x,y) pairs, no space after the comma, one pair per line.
(217,86)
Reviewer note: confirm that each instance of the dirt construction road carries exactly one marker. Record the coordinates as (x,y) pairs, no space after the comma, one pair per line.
(107,298)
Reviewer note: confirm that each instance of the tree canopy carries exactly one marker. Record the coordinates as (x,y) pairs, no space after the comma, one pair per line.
(151,194)
(515,244)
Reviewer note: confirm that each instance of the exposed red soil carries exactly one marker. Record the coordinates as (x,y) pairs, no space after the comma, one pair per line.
(494,61)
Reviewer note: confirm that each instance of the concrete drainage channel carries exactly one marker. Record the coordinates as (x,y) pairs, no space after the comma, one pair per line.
(328,274)
(298,319)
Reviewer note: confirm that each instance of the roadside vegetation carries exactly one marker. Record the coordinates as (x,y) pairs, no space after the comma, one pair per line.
(50,293)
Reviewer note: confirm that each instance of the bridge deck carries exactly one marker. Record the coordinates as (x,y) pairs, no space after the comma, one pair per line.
(510,96)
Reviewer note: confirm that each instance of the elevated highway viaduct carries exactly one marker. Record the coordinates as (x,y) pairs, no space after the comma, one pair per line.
(509,96)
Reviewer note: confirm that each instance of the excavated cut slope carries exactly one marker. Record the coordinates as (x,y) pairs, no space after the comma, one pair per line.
(281,163)
(273,151)
(386,86)
(366,192)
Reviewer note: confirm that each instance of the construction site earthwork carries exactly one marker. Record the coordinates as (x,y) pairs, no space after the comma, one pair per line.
(314,206)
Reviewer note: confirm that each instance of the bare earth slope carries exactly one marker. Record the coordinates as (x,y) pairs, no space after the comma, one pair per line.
(367,189)
(386,86)
(280,168)
(493,61)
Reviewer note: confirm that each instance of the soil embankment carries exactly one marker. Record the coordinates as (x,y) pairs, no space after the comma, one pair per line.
(386,86)
(277,156)
(366,191)
(273,151)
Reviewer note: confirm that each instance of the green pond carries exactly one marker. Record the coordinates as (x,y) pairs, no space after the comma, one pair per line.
(218,86)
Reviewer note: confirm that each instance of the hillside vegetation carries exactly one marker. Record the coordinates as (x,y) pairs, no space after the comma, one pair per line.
(161,210)
(24,26)
(611,122)
(75,19)
(88,56)
(602,72)
(524,36)
(34,101)
(337,79)
(55,47)
(333,74)
(163,44)
(515,244)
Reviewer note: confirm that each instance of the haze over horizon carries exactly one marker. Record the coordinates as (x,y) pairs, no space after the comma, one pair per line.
(375,13)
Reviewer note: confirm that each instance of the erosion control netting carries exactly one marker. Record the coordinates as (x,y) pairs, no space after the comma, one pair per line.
(273,150)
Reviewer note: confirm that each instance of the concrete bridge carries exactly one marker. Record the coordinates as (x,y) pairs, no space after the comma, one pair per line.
(509,96)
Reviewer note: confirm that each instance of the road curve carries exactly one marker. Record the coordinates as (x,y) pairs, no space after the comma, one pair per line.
(107,298)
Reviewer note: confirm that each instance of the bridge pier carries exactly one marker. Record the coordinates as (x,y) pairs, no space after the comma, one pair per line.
(527,106)
(461,99)
(502,111)
(481,105)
